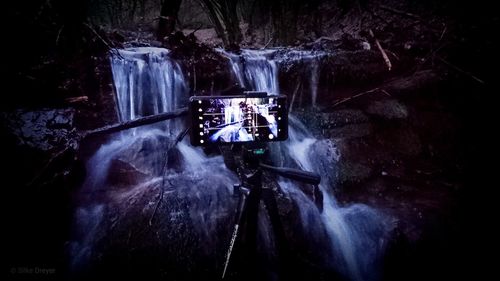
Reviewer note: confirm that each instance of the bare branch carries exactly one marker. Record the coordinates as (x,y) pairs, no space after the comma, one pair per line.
(461,70)
(137,122)
(382,52)
(355,96)
(399,12)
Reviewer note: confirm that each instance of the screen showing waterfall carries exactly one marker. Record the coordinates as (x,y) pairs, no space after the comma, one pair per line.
(242,118)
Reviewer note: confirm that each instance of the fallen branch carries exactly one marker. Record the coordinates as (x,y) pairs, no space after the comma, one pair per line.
(382,52)
(136,123)
(354,97)
(461,70)
(80,99)
(399,12)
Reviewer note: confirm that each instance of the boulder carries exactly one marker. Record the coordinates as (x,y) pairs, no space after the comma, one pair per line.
(45,130)
(122,173)
(388,109)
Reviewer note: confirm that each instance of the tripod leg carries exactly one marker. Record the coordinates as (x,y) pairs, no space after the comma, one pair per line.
(251,224)
(281,241)
(245,244)
(242,203)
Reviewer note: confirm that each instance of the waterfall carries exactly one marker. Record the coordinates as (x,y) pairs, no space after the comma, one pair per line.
(356,232)
(255,70)
(258,69)
(127,175)
(147,82)
(130,171)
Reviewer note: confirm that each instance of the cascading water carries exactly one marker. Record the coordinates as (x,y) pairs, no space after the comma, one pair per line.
(356,232)
(139,166)
(258,69)
(255,70)
(146,82)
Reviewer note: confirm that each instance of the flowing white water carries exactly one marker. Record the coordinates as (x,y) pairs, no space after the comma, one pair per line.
(258,69)
(356,232)
(147,82)
(255,70)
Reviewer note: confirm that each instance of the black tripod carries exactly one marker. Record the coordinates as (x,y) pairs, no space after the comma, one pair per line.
(251,191)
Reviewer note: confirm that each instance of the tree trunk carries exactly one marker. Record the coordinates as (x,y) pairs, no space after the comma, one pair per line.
(224,16)
(168,17)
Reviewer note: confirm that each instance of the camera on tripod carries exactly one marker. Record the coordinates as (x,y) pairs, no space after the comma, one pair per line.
(248,122)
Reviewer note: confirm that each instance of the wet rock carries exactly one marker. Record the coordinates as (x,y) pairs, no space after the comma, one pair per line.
(349,131)
(44,130)
(352,172)
(388,109)
(356,67)
(123,174)
(400,140)
(414,83)
(341,118)
(148,154)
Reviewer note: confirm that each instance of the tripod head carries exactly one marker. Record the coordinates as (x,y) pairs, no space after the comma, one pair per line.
(254,153)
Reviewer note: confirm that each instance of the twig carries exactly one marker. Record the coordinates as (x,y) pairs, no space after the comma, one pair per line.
(81,99)
(196,29)
(48,164)
(178,139)
(393,54)
(461,70)
(98,36)
(401,13)
(269,42)
(385,92)
(162,191)
(442,34)
(433,52)
(355,96)
(59,34)
(112,49)
(194,78)
(293,96)
(382,52)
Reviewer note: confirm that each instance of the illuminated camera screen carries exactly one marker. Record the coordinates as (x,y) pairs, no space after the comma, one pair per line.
(238,119)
